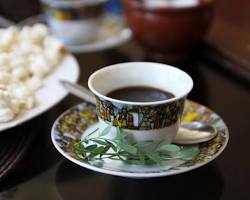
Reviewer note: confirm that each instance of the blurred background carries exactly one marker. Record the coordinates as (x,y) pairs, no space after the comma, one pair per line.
(226,40)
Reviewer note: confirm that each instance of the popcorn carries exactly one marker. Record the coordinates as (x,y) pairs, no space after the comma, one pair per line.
(20,73)
(33,83)
(6,112)
(8,37)
(4,78)
(27,55)
(39,67)
(52,47)
(17,61)
(38,33)
(4,62)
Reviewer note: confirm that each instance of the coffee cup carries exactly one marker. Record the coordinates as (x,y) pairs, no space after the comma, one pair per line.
(156,120)
(74,22)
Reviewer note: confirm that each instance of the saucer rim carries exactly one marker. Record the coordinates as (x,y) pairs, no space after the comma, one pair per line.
(131,174)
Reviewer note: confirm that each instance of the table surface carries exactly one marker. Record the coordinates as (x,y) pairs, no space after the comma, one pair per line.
(44,174)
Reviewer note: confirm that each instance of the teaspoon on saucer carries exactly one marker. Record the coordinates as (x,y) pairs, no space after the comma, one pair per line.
(194,132)
(188,133)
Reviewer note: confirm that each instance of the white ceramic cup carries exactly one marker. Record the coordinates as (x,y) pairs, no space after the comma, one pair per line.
(159,120)
(74,22)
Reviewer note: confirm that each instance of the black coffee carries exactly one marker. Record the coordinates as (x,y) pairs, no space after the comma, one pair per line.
(140,94)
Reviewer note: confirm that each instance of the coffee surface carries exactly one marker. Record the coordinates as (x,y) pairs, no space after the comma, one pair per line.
(140,94)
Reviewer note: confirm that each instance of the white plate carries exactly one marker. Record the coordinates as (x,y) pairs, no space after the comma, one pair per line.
(113,32)
(81,119)
(50,93)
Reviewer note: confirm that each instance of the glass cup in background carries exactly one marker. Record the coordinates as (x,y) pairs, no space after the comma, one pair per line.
(74,22)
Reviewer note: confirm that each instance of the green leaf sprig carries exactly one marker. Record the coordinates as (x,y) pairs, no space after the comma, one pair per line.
(147,152)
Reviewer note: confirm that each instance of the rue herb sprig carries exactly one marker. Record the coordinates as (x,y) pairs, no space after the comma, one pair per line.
(147,152)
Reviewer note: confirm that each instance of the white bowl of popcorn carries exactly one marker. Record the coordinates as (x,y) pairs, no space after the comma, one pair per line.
(27,56)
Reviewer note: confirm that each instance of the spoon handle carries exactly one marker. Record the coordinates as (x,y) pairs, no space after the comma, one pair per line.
(79,91)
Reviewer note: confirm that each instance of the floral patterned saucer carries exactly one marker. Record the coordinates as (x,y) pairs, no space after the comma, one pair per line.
(80,119)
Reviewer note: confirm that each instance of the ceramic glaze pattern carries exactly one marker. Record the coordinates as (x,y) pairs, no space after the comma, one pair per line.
(75,13)
(140,117)
(71,125)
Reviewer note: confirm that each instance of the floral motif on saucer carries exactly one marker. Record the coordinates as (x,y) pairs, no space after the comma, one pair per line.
(72,124)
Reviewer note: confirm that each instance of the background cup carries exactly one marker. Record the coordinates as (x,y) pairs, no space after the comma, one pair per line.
(170,32)
(74,22)
(159,120)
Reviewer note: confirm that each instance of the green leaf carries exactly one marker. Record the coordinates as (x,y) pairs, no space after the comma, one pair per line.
(105,149)
(99,150)
(128,148)
(164,157)
(92,155)
(143,153)
(142,158)
(145,146)
(111,145)
(155,157)
(168,148)
(120,135)
(106,131)
(189,153)
(98,164)
(99,141)
(81,146)
(85,140)
(165,167)
(91,147)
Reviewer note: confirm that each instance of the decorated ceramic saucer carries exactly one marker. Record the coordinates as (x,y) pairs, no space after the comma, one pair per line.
(81,119)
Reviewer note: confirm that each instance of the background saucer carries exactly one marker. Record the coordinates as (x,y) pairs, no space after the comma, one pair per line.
(113,32)
(71,125)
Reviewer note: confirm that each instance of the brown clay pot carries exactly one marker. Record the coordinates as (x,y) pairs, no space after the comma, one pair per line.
(169,34)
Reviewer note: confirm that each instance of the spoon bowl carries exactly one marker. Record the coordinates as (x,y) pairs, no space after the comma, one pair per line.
(194,132)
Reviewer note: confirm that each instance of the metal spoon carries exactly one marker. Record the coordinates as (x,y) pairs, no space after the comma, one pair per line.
(188,133)
(194,132)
